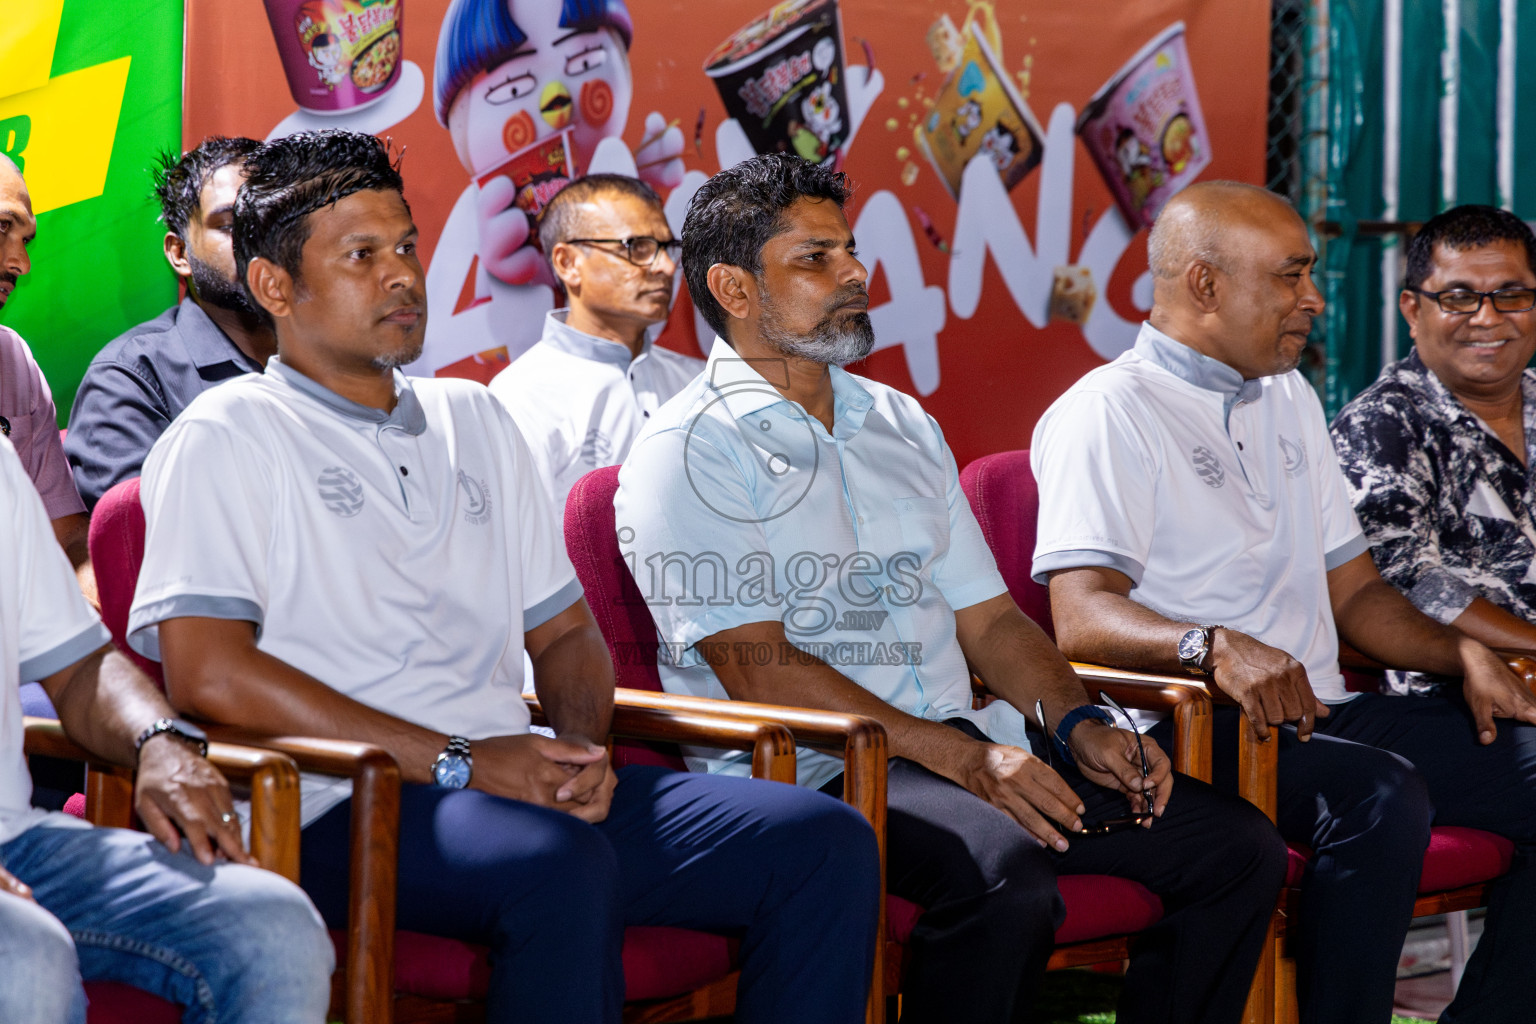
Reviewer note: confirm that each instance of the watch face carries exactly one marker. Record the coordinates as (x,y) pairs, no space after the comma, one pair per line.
(451,771)
(1192,645)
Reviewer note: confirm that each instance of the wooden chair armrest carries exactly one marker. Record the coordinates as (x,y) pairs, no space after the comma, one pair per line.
(771,743)
(272,776)
(375,834)
(1521,662)
(1182,696)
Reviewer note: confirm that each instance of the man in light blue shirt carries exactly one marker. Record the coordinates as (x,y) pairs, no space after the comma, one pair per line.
(801,538)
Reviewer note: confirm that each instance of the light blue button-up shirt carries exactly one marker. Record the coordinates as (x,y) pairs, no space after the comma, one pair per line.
(735,506)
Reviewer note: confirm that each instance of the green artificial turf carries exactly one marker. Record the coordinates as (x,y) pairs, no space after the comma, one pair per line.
(1088,997)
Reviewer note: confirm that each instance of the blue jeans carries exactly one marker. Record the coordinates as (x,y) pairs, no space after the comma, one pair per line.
(230,943)
(793,874)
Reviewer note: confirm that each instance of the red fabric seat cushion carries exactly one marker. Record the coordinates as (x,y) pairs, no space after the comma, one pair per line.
(1456,856)
(111,1002)
(1098,906)
(658,962)
(1461,856)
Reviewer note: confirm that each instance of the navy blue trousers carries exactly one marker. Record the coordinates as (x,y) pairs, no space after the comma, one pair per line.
(793,873)
(1362,793)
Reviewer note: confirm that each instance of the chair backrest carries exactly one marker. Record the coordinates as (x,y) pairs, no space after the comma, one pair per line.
(616,602)
(1006,500)
(117,553)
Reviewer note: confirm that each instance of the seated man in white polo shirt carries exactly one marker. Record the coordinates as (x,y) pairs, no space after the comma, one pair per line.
(801,538)
(337,550)
(581,395)
(1193,517)
(180,911)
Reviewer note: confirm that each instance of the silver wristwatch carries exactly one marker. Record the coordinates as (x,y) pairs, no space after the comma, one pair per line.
(1195,647)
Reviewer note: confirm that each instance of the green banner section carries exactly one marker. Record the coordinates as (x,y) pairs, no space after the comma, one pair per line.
(86,138)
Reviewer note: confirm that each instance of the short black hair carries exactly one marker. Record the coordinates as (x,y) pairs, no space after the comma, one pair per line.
(1460,228)
(559,220)
(179,180)
(735,213)
(287,179)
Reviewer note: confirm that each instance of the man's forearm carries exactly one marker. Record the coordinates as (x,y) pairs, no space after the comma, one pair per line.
(1379,622)
(1112,629)
(580,701)
(1017,661)
(1487,622)
(104,702)
(215,672)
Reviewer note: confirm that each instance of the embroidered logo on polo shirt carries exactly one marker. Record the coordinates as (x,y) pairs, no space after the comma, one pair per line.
(477,499)
(341,491)
(1208,467)
(1295,455)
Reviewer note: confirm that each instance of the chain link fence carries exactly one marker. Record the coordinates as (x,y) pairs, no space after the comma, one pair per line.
(1283,170)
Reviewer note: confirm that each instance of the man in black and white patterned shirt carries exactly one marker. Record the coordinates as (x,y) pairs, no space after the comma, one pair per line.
(1437,452)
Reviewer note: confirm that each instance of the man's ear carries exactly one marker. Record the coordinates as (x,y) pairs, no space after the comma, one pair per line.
(734,289)
(1200,284)
(567,267)
(176,254)
(1409,305)
(271,285)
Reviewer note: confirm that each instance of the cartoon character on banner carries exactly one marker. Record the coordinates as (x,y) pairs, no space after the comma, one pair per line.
(532,92)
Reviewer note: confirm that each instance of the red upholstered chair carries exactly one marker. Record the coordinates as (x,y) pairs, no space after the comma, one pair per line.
(671,974)
(1459,863)
(274,782)
(1103,912)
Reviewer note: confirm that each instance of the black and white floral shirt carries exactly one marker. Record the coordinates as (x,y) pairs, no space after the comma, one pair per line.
(1447,507)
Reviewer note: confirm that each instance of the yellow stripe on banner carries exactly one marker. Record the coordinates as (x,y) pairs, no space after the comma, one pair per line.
(27,33)
(69,125)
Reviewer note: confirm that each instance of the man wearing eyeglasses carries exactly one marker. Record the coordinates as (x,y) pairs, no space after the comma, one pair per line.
(1438,451)
(582,394)
(1193,518)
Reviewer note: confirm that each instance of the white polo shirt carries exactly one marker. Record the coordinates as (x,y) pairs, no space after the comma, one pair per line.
(397,558)
(1220,498)
(45,625)
(736,507)
(581,401)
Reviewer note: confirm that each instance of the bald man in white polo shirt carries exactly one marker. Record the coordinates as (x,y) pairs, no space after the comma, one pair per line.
(335,549)
(1193,517)
(583,393)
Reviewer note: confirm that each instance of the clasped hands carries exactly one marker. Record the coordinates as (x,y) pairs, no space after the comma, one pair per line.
(1033,794)
(569,773)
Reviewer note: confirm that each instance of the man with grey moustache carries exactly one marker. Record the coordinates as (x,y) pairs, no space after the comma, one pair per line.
(814,513)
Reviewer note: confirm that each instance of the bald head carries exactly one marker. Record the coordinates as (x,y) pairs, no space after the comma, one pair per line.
(1196,225)
(9,165)
(1232,276)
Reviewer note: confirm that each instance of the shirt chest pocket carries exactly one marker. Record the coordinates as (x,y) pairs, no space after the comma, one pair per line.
(924,525)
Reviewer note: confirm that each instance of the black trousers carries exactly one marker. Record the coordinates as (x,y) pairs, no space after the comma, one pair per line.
(991,906)
(1363,793)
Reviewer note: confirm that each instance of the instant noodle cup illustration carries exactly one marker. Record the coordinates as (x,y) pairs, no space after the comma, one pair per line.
(781,77)
(1072,294)
(978,112)
(537,172)
(1144,129)
(338,55)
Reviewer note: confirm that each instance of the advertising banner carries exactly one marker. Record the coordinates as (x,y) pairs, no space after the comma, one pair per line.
(85,107)
(1007,156)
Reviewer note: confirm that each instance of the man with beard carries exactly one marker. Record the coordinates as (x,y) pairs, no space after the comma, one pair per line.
(582,394)
(1193,517)
(801,538)
(335,549)
(145,377)
(27,414)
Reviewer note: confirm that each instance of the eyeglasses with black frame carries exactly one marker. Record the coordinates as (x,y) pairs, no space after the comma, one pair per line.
(1108,825)
(641,250)
(1465,301)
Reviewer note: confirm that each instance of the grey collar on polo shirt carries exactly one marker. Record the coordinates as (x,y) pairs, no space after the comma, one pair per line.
(561,335)
(407,416)
(1197,368)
